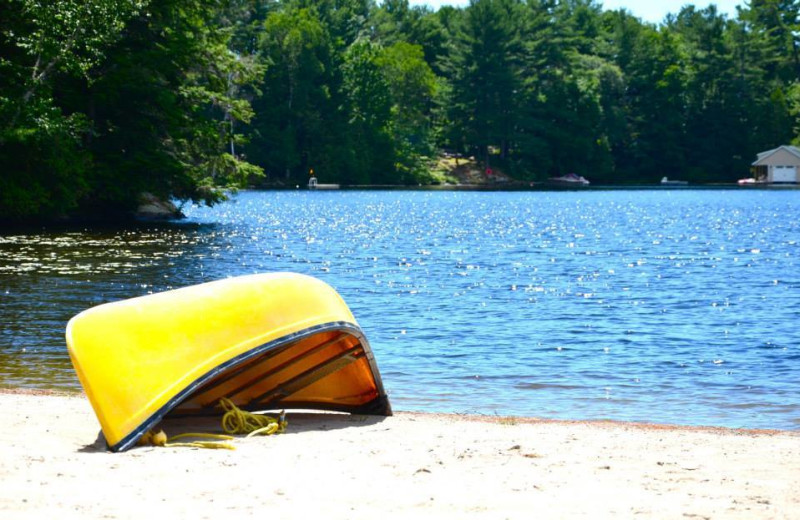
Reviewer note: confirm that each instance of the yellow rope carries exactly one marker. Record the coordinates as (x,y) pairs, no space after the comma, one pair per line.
(235,421)
(202,444)
(159,438)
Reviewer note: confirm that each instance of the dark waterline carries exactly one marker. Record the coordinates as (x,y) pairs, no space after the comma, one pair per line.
(661,306)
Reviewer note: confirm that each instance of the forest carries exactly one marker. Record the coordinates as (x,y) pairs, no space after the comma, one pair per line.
(103,100)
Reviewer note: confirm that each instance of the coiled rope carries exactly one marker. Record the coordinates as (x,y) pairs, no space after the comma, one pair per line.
(235,422)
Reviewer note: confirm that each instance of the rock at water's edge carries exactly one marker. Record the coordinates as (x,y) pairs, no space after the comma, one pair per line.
(154,208)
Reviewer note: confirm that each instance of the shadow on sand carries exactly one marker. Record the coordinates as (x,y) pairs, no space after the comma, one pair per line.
(299,422)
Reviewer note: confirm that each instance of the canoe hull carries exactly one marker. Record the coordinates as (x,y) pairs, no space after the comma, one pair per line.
(267,341)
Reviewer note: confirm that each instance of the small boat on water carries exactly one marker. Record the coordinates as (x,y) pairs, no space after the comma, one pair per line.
(671,182)
(570,179)
(266,341)
(751,181)
(313,184)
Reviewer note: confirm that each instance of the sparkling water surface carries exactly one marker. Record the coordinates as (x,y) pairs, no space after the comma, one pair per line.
(661,306)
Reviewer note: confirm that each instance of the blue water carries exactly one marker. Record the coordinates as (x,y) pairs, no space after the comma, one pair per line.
(660,306)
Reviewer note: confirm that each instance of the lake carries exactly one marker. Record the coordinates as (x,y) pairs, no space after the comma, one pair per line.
(669,306)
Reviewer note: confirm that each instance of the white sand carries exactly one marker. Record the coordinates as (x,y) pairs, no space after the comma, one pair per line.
(408,466)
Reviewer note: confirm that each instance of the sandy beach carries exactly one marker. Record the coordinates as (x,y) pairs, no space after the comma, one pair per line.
(54,464)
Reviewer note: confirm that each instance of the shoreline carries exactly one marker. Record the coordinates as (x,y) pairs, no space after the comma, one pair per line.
(485,418)
(429,465)
(166,216)
(537,186)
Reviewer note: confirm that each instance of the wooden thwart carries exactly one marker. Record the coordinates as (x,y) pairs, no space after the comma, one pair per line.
(309,377)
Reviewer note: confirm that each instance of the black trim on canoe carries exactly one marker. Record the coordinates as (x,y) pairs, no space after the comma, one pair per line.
(378,406)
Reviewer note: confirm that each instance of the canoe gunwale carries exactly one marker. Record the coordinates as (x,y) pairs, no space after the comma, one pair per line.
(378,406)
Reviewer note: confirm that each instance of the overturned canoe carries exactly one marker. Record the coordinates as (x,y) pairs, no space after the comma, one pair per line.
(263,341)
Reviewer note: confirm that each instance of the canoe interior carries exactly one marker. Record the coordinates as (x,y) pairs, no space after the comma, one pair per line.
(328,370)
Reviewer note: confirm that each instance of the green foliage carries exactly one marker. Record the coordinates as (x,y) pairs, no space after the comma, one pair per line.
(291,135)
(369,110)
(105,99)
(46,171)
(484,75)
(102,100)
(793,99)
(43,174)
(411,87)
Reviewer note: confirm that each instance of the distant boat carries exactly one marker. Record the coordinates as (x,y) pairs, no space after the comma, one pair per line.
(669,182)
(750,181)
(314,185)
(570,179)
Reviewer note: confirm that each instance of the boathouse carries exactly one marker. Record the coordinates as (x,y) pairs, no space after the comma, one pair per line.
(780,165)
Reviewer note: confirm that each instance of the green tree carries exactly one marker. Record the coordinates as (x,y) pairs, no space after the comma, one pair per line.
(777,23)
(42,45)
(793,99)
(568,95)
(164,107)
(412,87)
(105,99)
(395,21)
(483,73)
(654,143)
(296,102)
(371,154)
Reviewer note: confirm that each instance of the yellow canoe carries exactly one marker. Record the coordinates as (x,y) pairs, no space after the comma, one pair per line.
(264,341)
